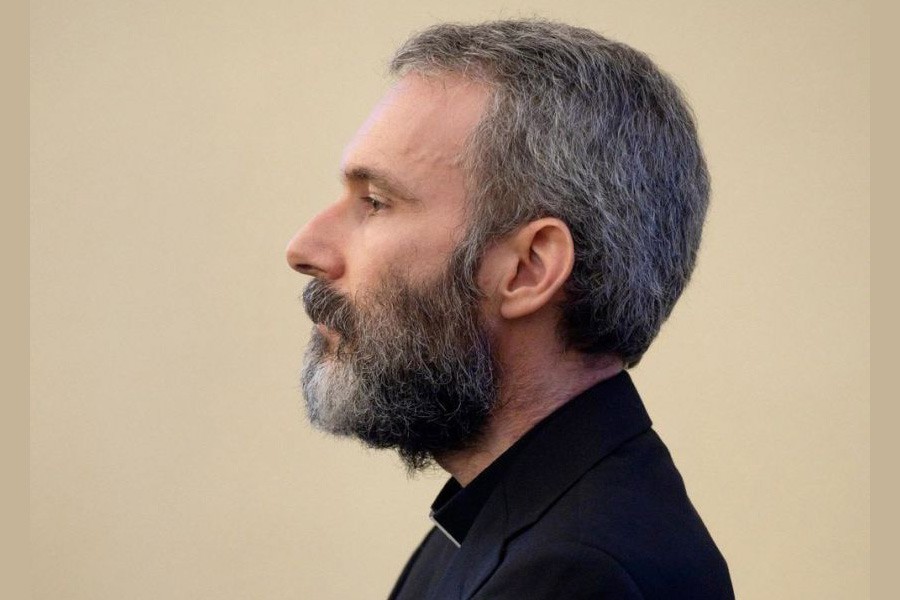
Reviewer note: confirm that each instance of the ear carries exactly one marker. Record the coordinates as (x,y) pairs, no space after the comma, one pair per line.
(530,266)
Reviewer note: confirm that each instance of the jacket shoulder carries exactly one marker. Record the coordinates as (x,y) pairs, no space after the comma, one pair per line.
(630,514)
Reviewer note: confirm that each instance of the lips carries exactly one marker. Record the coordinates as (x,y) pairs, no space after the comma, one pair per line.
(329,310)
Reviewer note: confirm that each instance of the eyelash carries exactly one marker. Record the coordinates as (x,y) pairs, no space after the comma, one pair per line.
(375,204)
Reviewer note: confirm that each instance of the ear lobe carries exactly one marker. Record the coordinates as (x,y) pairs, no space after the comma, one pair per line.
(542,257)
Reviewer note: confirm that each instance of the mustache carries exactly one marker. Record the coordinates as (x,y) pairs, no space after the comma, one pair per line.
(323,304)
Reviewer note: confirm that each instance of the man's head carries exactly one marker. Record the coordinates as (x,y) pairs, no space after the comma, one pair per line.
(590,131)
(518,173)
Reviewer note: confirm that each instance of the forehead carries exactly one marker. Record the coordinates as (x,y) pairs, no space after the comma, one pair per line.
(417,131)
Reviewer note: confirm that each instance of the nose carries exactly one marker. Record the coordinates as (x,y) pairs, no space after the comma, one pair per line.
(314,249)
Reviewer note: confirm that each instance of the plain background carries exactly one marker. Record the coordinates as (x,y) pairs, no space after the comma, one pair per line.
(175,148)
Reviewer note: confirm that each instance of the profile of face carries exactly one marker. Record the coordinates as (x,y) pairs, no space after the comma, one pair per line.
(400,356)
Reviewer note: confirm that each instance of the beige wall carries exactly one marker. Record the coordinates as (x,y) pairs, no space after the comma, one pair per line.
(176,146)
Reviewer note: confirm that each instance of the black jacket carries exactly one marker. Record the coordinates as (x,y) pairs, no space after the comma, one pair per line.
(591,506)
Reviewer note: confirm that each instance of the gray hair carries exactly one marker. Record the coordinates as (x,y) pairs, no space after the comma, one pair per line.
(590,131)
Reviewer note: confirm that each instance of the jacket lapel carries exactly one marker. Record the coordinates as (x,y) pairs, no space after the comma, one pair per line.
(554,456)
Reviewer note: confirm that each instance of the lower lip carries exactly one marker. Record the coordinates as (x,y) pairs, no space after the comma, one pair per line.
(328,334)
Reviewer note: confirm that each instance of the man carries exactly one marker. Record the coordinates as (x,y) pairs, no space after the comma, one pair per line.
(520,213)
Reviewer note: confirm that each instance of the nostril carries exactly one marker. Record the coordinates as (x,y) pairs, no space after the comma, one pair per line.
(306,269)
(298,260)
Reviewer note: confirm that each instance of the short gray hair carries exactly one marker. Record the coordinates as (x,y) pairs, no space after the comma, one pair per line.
(590,131)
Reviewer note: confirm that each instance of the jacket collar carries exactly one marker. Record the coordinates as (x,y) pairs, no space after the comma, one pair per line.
(554,455)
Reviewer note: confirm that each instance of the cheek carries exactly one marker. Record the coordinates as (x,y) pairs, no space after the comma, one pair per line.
(416,250)
(373,256)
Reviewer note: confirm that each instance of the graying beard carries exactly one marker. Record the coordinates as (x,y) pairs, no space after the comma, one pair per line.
(420,379)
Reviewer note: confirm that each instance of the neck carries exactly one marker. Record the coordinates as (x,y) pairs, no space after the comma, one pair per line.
(526,400)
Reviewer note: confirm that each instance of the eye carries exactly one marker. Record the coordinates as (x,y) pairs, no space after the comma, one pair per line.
(375,205)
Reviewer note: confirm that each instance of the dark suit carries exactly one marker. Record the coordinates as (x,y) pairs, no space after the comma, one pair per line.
(590,506)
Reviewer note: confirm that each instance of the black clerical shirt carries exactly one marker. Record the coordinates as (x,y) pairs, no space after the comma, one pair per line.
(455,508)
(453,512)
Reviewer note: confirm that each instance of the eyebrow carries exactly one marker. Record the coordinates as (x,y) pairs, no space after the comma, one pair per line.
(380,179)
